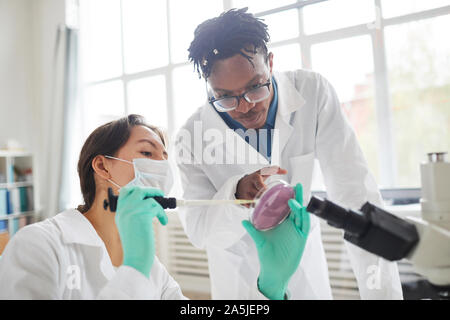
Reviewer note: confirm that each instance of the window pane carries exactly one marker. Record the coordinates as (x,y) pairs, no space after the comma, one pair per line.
(286,57)
(348,65)
(100,39)
(189,93)
(256,6)
(283,25)
(185,16)
(336,14)
(418,56)
(147,97)
(145,34)
(103,102)
(392,8)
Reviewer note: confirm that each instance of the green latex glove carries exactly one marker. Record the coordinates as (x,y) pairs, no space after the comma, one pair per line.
(134,218)
(280,249)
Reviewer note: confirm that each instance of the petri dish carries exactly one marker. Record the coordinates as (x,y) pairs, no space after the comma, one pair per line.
(271,207)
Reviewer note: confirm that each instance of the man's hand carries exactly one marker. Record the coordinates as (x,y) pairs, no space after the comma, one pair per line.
(249,186)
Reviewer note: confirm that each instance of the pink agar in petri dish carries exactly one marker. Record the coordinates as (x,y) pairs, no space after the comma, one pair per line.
(272,207)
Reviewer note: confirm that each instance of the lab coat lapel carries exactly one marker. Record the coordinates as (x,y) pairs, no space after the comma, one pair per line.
(75,228)
(289,101)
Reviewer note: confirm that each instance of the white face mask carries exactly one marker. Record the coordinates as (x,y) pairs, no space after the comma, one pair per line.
(149,173)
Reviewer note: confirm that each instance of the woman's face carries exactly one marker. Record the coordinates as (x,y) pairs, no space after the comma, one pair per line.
(142,143)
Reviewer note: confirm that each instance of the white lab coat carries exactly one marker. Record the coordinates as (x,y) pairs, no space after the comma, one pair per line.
(309,125)
(64,258)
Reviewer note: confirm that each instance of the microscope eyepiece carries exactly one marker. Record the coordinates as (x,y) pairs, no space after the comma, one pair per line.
(315,205)
(353,222)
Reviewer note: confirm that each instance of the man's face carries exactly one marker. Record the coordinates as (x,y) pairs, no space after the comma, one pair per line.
(236,75)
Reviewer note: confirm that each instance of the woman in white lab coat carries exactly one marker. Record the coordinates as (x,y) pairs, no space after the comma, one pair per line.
(92,253)
(78,254)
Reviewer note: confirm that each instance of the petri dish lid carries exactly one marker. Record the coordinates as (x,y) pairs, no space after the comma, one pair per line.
(272,205)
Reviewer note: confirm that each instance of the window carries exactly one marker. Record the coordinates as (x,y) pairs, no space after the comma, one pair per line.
(337,14)
(147,97)
(145,43)
(286,57)
(191,93)
(393,8)
(104,102)
(419,91)
(350,70)
(134,55)
(283,25)
(257,6)
(102,45)
(386,64)
(185,16)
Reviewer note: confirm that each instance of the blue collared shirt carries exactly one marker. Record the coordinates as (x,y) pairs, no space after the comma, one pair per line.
(263,148)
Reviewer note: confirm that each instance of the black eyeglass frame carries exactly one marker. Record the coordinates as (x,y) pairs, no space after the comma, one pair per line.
(238,98)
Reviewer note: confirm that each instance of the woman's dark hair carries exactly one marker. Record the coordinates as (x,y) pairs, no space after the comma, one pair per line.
(105,140)
(233,32)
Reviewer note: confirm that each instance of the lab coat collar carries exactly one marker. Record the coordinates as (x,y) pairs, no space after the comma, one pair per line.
(76,228)
(289,99)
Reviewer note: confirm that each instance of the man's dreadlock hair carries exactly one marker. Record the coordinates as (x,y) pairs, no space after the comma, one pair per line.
(233,32)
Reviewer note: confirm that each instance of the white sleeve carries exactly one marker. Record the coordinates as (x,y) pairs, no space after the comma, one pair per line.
(220,226)
(128,283)
(350,184)
(29,267)
(170,288)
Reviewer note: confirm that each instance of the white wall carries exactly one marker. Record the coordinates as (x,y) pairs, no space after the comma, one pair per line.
(27,39)
(47,16)
(16,71)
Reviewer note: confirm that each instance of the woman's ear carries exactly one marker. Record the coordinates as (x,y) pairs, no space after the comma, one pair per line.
(100,167)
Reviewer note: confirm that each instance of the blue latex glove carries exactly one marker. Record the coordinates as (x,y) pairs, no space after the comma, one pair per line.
(134,219)
(280,249)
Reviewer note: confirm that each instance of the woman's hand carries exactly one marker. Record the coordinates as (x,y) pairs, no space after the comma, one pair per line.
(134,220)
(280,249)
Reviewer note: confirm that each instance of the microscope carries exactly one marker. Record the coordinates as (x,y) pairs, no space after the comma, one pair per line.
(424,241)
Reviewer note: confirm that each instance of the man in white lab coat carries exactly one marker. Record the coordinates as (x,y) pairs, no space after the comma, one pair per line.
(296,118)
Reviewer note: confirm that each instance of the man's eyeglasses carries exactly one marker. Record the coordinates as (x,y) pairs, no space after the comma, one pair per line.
(229,103)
